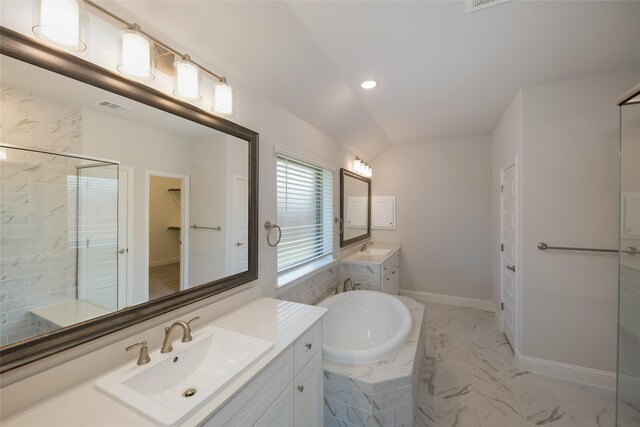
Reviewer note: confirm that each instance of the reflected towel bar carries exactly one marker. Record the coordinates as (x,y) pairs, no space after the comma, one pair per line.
(629,251)
(196,227)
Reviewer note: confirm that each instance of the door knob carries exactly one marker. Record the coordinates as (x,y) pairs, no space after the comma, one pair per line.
(511,267)
(239,243)
(121,251)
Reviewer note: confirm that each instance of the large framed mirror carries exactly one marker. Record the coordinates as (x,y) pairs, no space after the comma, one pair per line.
(355,208)
(119,202)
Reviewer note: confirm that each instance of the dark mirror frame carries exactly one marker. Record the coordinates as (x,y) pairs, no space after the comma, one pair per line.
(343,174)
(28,50)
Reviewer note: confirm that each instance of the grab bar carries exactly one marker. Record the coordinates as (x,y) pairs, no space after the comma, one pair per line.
(196,227)
(629,251)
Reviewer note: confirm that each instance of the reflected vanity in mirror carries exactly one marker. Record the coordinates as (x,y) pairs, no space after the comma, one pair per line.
(118,202)
(355,208)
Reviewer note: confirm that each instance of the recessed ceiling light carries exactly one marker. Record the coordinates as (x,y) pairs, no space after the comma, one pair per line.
(369,84)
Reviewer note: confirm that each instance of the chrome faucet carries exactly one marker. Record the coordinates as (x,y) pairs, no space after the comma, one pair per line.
(364,246)
(143,357)
(345,288)
(168,334)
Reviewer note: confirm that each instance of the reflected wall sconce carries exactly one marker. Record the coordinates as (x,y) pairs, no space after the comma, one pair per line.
(61,23)
(135,58)
(362,168)
(187,79)
(136,55)
(223,97)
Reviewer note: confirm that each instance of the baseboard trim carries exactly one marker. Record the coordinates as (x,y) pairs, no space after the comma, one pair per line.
(161,262)
(479,304)
(566,371)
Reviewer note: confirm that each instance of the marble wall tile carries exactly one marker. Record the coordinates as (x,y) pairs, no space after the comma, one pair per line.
(362,418)
(313,289)
(35,215)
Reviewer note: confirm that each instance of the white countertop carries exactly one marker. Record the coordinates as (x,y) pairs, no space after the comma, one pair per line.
(69,312)
(360,258)
(630,261)
(280,322)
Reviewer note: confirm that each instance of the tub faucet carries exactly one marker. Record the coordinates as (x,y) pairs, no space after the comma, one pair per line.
(168,334)
(364,246)
(345,288)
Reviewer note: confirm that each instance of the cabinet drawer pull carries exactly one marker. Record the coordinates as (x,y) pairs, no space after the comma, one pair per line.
(300,388)
(308,345)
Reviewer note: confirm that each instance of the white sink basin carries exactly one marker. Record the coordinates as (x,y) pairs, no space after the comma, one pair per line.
(159,390)
(377,252)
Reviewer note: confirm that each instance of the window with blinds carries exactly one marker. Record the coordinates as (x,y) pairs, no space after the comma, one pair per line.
(305,212)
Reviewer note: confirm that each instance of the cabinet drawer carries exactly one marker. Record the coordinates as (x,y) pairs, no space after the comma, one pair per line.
(388,265)
(307,345)
(259,393)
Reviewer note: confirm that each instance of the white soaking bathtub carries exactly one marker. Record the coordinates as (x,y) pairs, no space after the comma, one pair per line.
(364,326)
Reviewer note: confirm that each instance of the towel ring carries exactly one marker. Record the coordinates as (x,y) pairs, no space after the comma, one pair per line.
(269,227)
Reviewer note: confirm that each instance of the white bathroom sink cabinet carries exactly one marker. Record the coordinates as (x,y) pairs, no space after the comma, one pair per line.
(381,274)
(287,393)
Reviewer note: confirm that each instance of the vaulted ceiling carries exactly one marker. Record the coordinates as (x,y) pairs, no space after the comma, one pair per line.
(441,71)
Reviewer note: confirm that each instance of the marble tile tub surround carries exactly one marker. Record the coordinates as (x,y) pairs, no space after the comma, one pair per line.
(312,288)
(470,379)
(37,206)
(382,393)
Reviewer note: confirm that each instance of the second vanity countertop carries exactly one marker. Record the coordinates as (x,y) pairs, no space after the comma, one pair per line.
(280,322)
(362,258)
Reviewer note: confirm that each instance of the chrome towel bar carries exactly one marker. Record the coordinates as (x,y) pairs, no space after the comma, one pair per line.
(197,227)
(629,251)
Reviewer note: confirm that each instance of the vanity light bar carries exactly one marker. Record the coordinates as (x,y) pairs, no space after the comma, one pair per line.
(362,168)
(61,23)
(187,71)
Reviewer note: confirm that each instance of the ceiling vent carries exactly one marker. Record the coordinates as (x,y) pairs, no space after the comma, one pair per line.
(475,5)
(113,106)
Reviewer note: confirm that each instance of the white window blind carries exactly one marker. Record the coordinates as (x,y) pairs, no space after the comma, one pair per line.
(305,212)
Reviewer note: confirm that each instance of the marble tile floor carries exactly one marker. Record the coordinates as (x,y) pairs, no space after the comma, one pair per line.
(470,380)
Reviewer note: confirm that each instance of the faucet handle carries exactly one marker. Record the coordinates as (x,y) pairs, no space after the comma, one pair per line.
(143,358)
(186,337)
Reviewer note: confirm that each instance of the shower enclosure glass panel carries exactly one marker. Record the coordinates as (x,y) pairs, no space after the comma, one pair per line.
(98,234)
(58,240)
(628,393)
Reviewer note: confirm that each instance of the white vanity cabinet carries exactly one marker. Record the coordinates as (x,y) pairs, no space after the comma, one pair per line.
(383,275)
(287,393)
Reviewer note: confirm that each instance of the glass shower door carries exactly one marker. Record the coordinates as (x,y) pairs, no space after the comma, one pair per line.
(97,229)
(628,393)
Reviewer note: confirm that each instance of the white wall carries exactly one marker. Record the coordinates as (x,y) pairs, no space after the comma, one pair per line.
(208,195)
(144,149)
(164,211)
(570,197)
(443,207)
(566,135)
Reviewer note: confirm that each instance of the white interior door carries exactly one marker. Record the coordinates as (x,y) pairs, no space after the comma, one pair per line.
(240,233)
(508,264)
(125,235)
